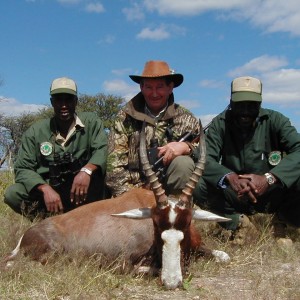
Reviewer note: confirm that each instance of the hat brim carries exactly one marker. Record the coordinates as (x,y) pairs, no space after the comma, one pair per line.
(245,96)
(176,78)
(63,91)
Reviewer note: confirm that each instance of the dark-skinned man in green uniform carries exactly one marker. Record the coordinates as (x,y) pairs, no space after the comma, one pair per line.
(61,163)
(253,161)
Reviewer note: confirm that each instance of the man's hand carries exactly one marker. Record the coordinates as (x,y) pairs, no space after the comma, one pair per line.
(244,188)
(259,183)
(80,187)
(172,150)
(51,198)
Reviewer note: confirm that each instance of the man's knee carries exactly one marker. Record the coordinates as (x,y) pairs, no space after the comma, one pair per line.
(14,196)
(177,174)
(200,193)
(181,166)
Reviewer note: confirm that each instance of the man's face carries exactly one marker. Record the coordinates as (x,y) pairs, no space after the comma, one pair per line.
(64,106)
(156,93)
(245,112)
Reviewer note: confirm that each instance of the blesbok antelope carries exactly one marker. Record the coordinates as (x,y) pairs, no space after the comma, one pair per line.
(175,237)
(109,227)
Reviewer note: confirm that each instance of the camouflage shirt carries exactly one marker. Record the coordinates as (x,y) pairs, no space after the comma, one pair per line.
(124,170)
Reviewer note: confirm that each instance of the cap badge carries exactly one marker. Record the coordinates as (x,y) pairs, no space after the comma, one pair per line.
(247,82)
(46,148)
(274,158)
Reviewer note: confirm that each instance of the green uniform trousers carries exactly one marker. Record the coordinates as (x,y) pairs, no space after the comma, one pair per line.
(31,204)
(279,200)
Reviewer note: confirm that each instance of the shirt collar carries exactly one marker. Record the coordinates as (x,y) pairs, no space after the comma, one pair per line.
(76,124)
(158,116)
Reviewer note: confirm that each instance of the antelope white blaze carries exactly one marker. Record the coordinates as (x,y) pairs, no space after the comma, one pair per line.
(171,275)
(172,213)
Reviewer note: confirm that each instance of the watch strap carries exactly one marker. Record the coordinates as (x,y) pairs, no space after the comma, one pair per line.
(86,170)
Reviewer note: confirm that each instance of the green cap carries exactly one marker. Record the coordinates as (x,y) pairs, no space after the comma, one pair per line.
(246,89)
(63,85)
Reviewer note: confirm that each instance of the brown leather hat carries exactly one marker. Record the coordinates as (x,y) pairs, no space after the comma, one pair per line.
(157,69)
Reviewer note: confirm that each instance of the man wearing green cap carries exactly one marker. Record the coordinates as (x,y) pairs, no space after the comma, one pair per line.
(61,163)
(253,161)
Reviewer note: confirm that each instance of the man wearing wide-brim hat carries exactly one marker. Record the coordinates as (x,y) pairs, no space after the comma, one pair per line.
(253,162)
(166,122)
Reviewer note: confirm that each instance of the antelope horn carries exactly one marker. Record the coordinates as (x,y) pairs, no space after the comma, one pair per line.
(186,196)
(155,185)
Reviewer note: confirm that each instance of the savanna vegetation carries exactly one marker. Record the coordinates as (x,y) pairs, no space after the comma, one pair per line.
(260,268)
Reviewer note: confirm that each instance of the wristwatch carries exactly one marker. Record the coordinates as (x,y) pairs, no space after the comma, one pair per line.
(270,178)
(86,170)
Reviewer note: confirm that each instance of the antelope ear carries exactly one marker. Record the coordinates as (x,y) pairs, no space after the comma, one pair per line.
(203,215)
(137,213)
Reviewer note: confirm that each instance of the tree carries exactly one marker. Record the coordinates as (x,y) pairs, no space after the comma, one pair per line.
(13,128)
(106,106)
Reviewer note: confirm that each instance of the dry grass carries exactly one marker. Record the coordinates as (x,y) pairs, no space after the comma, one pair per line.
(260,269)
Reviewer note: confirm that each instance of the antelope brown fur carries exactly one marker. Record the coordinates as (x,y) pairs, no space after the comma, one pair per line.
(167,240)
(91,229)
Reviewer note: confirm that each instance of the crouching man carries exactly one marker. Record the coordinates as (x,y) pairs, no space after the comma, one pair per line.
(61,163)
(253,162)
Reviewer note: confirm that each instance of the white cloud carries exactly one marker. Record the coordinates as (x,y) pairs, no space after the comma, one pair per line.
(12,107)
(189,104)
(191,7)
(280,85)
(95,8)
(156,34)
(121,72)
(274,16)
(90,7)
(205,119)
(264,63)
(163,32)
(118,86)
(108,39)
(134,13)
(269,15)
(207,83)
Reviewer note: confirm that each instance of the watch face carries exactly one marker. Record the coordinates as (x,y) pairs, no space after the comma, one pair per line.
(270,179)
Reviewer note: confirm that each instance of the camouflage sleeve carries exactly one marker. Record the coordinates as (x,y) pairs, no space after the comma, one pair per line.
(119,178)
(189,123)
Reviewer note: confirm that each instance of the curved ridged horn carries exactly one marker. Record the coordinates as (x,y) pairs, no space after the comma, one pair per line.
(155,185)
(186,196)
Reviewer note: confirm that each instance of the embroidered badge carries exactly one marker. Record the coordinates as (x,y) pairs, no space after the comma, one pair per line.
(274,158)
(46,148)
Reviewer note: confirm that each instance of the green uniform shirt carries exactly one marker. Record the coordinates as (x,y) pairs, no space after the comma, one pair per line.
(87,144)
(228,151)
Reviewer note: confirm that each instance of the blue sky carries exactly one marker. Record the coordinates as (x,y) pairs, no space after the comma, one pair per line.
(100,43)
